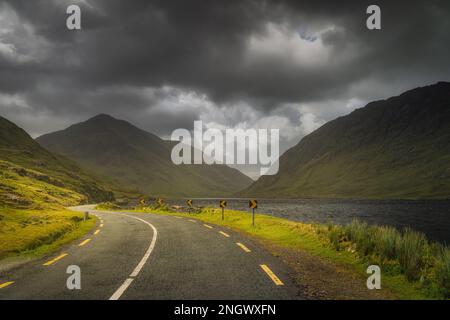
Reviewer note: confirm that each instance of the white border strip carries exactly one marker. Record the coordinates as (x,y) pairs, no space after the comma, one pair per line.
(119,292)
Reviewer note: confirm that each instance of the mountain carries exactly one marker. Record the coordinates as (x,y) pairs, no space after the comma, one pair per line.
(131,157)
(30,173)
(394,148)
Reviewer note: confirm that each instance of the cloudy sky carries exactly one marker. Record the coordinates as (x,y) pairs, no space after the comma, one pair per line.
(291,65)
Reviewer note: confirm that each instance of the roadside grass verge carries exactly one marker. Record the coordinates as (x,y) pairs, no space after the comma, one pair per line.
(34,233)
(405,252)
(33,220)
(107,206)
(412,267)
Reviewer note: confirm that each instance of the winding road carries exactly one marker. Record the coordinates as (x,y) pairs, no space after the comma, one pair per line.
(149,256)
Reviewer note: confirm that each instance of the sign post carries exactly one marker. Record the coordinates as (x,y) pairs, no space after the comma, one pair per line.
(189,203)
(253,204)
(160,201)
(222,204)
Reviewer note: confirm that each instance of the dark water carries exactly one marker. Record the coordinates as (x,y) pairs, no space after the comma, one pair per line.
(431,217)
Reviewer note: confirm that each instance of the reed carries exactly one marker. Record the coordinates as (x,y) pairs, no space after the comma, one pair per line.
(417,258)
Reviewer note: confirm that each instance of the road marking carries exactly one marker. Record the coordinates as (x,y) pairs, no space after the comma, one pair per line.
(192,220)
(84,242)
(224,234)
(128,281)
(271,275)
(208,226)
(56,259)
(4,285)
(96,231)
(243,247)
(101,226)
(119,292)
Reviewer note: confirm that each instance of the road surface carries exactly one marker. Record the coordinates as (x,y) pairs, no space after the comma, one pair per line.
(149,256)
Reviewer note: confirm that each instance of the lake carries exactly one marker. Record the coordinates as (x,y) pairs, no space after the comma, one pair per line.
(431,217)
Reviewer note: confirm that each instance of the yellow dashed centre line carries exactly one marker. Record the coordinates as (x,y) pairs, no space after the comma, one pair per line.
(97,232)
(84,242)
(208,226)
(243,247)
(5,284)
(101,226)
(56,259)
(178,217)
(192,220)
(224,234)
(271,275)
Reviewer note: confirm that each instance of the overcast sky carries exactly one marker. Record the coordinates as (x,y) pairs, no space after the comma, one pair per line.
(291,65)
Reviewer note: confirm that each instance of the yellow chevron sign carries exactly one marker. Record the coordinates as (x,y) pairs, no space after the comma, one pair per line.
(142,201)
(253,204)
(160,201)
(222,203)
(189,202)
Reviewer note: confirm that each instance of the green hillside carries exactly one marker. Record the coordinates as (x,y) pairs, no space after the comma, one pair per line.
(131,157)
(33,220)
(20,150)
(394,148)
(35,186)
(22,188)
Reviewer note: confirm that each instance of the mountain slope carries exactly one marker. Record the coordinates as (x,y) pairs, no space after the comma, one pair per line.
(132,157)
(30,175)
(394,148)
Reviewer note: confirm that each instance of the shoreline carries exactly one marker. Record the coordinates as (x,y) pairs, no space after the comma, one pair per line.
(290,240)
(429,217)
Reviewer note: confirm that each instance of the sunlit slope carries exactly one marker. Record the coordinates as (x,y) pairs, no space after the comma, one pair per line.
(22,188)
(35,186)
(32,215)
(394,148)
(134,158)
(28,159)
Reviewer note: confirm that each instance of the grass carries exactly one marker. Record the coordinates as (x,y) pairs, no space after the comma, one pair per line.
(406,252)
(18,148)
(33,218)
(412,268)
(28,189)
(107,206)
(34,233)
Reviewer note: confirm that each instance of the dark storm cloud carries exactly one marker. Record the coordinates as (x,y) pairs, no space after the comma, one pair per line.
(265,53)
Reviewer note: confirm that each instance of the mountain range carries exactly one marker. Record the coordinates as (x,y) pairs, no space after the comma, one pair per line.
(125,155)
(393,148)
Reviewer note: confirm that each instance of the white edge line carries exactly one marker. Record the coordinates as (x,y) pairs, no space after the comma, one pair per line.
(141,263)
(121,289)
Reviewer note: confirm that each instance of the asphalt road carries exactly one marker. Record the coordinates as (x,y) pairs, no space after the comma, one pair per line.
(145,256)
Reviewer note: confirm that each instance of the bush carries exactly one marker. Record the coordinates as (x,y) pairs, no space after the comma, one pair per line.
(362,235)
(411,251)
(334,235)
(443,272)
(407,252)
(387,239)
